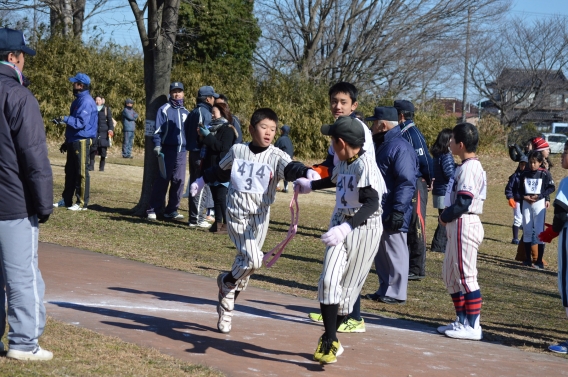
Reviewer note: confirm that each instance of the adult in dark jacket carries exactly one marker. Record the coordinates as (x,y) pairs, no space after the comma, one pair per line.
(396,160)
(200,115)
(444,168)
(129,117)
(170,141)
(26,194)
(219,137)
(236,122)
(285,144)
(104,132)
(417,229)
(80,132)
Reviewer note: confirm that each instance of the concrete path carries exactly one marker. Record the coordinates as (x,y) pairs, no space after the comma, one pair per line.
(175,312)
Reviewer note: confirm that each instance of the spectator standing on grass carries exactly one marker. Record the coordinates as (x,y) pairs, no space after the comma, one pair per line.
(80,132)
(285,144)
(444,168)
(169,140)
(236,122)
(26,194)
(417,229)
(104,133)
(129,117)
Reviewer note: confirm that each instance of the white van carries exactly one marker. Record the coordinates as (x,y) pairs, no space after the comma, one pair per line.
(556,142)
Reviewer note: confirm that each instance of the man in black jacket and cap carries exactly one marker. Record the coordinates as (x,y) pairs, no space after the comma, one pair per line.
(26,194)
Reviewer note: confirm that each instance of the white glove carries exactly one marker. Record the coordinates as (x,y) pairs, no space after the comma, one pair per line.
(303,185)
(196,186)
(312,175)
(336,235)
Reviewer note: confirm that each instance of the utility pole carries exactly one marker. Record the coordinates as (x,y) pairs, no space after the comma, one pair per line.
(464,100)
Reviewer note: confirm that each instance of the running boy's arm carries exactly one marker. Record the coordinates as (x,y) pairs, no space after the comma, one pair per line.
(369,198)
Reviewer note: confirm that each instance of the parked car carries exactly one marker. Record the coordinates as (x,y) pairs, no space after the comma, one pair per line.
(556,142)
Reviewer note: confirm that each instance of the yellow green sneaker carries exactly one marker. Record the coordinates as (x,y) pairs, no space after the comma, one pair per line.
(316,317)
(352,325)
(319,350)
(331,351)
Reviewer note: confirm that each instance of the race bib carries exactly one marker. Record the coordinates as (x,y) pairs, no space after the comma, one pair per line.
(533,185)
(251,177)
(347,192)
(448,196)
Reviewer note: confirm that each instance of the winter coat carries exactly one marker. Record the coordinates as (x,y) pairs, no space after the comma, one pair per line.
(284,143)
(104,126)
(129,117)
(218,144)
(201,113)
(444,168)
(547,185)
(83,121)
(398,164)
(26,181)
(170,129)
(513,187)
(413,135)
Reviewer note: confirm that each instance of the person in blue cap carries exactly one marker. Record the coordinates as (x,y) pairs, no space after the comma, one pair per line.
(80,132)
(26,195)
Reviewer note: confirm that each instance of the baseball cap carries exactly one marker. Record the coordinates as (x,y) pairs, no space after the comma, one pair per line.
(403,105)
(128,100)
(14,40)
(524,159)
(207,91)
(346,128)
(176,85)
(384,113)
(539,144)
(82,78)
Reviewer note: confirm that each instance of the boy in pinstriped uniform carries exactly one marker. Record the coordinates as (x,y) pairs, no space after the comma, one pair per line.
(464,203)
(354,232)
(254,170)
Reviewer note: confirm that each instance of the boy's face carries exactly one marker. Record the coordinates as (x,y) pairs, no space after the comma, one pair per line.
(522,165)
(341,104)
(454,148)
(263,133)
(565,159)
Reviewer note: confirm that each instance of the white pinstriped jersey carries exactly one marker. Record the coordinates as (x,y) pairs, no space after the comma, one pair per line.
(369,146)
(241,204)
(470,179)
(360,173)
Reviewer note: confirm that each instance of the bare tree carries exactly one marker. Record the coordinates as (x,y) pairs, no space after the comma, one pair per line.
(519,67)
(158,41)
(374,44)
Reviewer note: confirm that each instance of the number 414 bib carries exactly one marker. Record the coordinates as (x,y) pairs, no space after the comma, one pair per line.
(249,176)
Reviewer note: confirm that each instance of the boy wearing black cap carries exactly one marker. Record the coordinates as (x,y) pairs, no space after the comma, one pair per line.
(354,232)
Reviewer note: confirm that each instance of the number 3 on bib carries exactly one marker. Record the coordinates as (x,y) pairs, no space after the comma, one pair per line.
(251,177)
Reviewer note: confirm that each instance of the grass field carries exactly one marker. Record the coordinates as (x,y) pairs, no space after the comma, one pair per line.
(521,306)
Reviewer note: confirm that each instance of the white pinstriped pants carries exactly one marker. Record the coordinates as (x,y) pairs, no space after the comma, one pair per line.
(346,266)
(459,271)
(248,234)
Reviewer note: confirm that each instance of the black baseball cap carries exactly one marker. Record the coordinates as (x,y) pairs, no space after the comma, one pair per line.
(403,105)
(13,40)
(347,128)
(384,113)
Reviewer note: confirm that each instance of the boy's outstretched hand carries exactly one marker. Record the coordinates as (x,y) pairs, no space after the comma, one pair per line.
(548,235)
(303,185)
(336,235)
(196,186)
(312,175)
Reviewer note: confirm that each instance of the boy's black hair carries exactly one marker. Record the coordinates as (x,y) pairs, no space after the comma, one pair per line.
(537,155)
(4,54)
(350,144)
(442,143)
(467,134)
(344,87)
(262,114)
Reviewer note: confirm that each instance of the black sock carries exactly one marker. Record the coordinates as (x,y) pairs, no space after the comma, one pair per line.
(329,315)
(340,319)
(528,252)
(540,253)
(515,232)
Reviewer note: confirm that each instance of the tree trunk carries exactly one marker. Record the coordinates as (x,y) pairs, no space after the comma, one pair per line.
(158,47)
(78,18)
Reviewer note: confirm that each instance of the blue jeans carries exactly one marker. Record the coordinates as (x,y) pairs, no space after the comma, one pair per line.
(127,143)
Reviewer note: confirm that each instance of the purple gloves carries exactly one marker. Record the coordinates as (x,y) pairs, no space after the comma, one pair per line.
(303,185)
(336,235)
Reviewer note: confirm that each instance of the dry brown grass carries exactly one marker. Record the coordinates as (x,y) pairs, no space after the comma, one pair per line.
(521,306)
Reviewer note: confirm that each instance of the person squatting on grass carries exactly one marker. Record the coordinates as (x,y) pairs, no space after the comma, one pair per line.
(26,194)
(513,195)
(535,187)
(354,231)
(464,204)
(254,170)
(560,227)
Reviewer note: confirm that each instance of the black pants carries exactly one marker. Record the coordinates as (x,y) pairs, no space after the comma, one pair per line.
(440,238)
(77,173)
(102,152)
(416,231)
(195,214)
(219,193)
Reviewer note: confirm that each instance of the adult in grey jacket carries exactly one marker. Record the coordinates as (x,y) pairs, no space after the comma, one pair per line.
(129,117)
(26,194)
